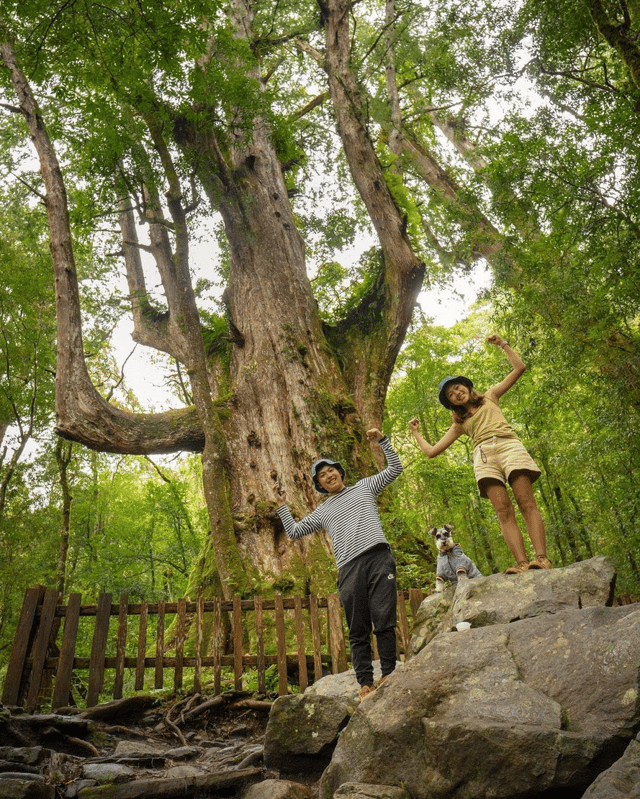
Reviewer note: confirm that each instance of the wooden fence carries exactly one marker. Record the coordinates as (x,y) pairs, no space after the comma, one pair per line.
(236,635)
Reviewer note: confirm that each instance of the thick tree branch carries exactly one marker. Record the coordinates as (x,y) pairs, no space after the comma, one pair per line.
(363,162)
(487,241)
(450,127)
(403,270)
(617,35)
(149,324)
(82,414)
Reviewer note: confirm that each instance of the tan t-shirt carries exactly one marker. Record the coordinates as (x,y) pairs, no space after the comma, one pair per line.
(486,422)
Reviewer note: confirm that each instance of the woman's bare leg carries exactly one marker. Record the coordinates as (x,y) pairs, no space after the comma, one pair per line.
(523,492)
(506,513)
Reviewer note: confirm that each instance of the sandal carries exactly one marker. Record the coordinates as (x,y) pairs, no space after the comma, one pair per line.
(518,568)
(541,562)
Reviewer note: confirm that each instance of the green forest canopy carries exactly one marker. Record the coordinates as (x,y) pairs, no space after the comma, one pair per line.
(506,135)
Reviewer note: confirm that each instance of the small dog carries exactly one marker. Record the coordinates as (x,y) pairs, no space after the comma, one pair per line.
(452,562)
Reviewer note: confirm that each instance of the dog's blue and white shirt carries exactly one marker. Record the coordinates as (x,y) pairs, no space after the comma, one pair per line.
(455,559)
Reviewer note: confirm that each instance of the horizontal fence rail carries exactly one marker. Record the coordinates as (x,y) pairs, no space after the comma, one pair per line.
(303,637)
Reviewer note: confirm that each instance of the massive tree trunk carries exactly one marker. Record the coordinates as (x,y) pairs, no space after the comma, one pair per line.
(280,388)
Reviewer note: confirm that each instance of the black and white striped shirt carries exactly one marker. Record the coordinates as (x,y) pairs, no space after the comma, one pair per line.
(350,517)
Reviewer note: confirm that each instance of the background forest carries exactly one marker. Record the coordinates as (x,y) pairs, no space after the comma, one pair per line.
(507,138)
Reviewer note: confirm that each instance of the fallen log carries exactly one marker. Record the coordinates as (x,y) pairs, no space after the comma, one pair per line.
(168,788)
(120,708)
(254,704)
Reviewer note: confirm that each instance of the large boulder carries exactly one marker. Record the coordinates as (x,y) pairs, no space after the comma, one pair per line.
(508,710)
(504,598)
(302,730)
(24,786)
(541,694)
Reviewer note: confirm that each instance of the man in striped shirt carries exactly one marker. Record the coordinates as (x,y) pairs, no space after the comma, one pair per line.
(366,566)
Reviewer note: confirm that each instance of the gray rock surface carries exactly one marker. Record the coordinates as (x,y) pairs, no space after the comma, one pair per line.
(504,598)
(26,755)
(278,789)
(23,786)
(524,707)
(107,772)
(622,780)
(358,790)
(302,730)
(138,749)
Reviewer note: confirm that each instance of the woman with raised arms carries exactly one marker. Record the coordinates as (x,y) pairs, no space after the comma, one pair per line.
(499,457)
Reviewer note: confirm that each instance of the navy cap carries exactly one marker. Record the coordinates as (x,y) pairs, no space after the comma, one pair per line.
(316,468)
(442,388)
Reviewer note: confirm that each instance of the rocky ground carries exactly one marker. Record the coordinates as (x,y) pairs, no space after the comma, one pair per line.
(194,746)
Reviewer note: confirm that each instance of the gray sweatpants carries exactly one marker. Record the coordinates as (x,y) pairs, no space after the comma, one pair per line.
(367,589)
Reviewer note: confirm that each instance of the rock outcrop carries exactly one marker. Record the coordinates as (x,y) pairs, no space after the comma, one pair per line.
(540,697)
(501,599)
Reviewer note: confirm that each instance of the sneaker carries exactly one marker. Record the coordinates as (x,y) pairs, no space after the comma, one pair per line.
(518,568)
(541,562)
(365,691)
(382,680)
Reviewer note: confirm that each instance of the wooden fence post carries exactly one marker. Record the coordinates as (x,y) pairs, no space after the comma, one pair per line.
(62,687)
(237,643)
(260,662)
(302,652)
(336,635)
(159,669)
(142,647)
(216,644)
(314,621)
(121,643)
(416,595)
(197,674)
(281,647)
(40,647)
(403,623)
(13,683)
(180,637)
(98,649)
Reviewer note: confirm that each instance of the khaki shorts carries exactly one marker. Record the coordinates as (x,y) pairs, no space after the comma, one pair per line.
(498,458)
